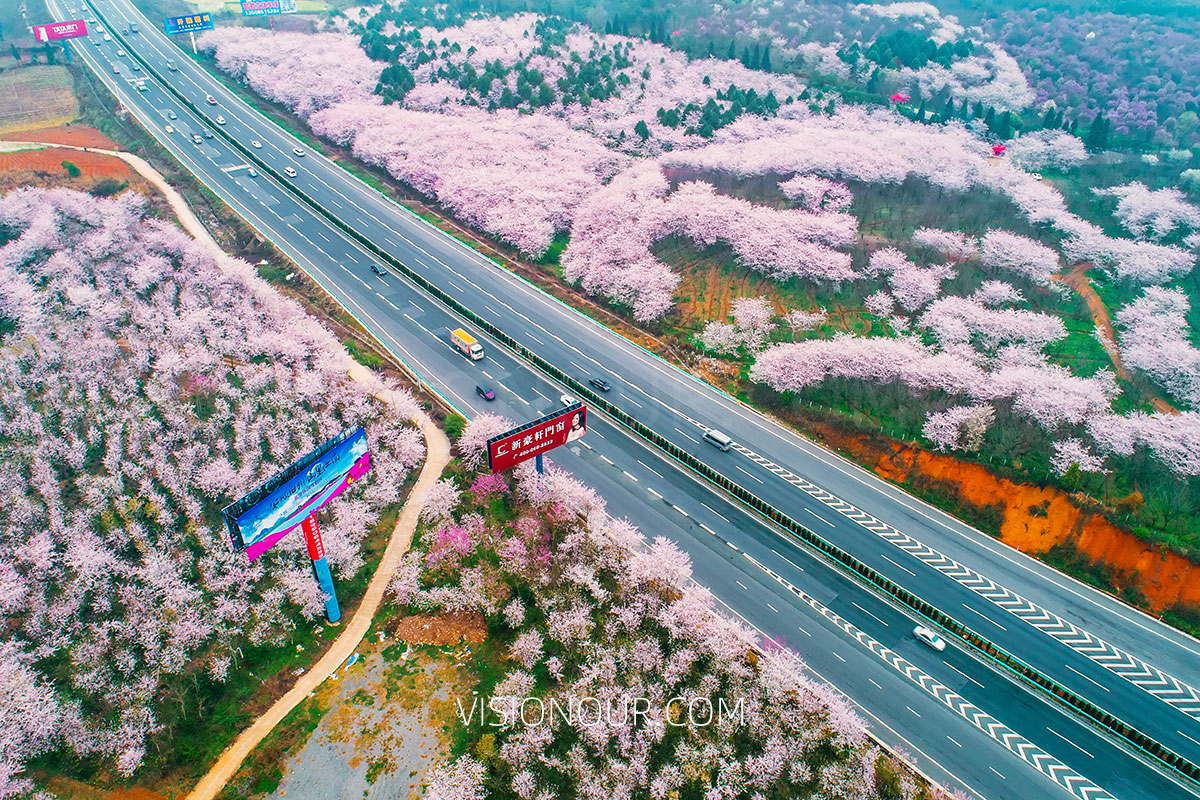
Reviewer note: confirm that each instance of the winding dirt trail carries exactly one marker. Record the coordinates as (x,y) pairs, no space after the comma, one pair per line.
(437,455)
(1077,279)
(227,764)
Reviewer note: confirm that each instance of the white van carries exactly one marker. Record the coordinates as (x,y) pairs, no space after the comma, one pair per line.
(718,439)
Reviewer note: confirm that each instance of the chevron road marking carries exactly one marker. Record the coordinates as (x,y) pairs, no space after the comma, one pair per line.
(1017,744)
(1154,681)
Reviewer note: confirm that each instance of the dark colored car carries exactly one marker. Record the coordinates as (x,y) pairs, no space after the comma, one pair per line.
(485,392)
(376,269)
(599,383)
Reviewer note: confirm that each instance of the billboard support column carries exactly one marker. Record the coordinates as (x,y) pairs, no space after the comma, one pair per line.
(193,35)
(541,467)
(316,551)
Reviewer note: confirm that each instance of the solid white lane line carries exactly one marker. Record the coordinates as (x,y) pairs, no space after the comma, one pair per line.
(649,468)
(965,675)
(680,510)
(818,516)
(838,656)
(955,741)
(607,460)
(739,469)
(872,680)
(868,613)
(1085,677)
(984,616)
(1068,741)
(785,558)
(906,569)
(739,583)
(993,769)
(773,608)
(911,709)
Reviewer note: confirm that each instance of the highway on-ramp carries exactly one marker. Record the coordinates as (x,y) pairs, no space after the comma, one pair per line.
(772,582)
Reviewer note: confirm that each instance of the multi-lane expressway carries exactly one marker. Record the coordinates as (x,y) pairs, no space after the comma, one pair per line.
(915,697)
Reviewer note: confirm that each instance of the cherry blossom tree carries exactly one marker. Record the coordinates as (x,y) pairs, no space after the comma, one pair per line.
(167,381)
(1019,255)
(1047,148)
(1073,452)
(472,443)
(1154,339)
(1152,215)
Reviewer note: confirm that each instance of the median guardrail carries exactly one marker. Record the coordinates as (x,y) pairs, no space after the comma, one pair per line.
(857,569)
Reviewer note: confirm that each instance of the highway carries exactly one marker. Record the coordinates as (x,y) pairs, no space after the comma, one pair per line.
(768,579)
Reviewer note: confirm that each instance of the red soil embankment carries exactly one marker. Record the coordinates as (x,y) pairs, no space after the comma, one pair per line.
(78,135)
(91,165)
(1163,577)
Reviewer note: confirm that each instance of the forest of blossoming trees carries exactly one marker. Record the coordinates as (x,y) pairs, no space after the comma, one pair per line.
(145,384)
(973,325)
(592,609)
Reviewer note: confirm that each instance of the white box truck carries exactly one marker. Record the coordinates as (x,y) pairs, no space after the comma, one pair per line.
(466,344)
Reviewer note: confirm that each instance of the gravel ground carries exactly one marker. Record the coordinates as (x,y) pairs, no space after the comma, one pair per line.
(379,736)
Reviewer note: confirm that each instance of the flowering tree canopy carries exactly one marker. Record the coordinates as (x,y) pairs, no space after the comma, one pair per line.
(146,384)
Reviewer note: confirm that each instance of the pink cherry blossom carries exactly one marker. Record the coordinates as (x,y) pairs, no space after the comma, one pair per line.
(1153,331)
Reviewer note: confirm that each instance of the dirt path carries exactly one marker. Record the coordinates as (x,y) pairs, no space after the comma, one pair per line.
(1077,279)
(139,165)
(437,455)
(227,764)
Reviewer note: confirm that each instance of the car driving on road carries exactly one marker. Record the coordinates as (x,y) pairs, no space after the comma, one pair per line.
(120,53)
(252,172)
(929,637)
(299,153)
(375,268)
(255,143)
(170,115)
(485,392)
(212,101)
(197,138)
(599,384)
(289,171)
(220,119)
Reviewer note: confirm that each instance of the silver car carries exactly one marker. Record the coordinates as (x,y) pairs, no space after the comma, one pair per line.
(929,637)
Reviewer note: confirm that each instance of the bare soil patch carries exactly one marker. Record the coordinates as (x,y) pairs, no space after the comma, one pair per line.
(1035,518)
(78,135)
(441,629)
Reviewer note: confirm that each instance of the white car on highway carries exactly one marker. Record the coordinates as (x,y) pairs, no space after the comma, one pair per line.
(120,53)
(220,120)
(255,143)
(929,637)
(289,171)
(299,153)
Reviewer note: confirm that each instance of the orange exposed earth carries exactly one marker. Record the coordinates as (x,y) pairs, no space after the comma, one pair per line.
(1166,579)
(91,165)
(78,135)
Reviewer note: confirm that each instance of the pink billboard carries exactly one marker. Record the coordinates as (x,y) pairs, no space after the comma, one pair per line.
(60,30)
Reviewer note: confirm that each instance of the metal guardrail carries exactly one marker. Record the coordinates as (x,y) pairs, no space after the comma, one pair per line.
(850,564)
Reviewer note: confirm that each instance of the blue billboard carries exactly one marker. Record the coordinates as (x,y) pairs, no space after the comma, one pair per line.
(282,503)
(188,24)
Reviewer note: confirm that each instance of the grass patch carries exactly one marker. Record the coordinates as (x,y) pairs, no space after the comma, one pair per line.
(1066,557)
(261,772)
(362,355)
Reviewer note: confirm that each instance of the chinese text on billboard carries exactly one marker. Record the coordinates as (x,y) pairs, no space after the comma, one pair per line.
(537,437)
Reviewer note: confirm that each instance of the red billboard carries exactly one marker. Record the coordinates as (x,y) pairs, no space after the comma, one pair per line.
(537,437)
(60,30)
